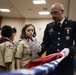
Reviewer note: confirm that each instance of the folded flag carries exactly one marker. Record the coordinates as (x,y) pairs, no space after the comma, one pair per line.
(38,70)
(42,60)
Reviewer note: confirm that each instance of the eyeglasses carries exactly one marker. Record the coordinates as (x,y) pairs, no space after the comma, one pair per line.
(54,12)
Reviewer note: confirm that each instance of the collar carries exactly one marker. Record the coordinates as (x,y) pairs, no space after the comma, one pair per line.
(62,21)
(3,39)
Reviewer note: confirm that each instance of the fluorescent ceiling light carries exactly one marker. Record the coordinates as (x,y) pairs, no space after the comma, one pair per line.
(4,10)
(39,1)
(44,13)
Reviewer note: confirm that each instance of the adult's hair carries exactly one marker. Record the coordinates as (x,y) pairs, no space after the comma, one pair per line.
(6,31)
(23,34)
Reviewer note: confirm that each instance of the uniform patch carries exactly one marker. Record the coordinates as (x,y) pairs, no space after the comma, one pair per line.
(51,30)
(67,37)
(10,46)
(67,28)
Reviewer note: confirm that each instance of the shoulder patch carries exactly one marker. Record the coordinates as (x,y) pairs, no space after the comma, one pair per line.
(10,46)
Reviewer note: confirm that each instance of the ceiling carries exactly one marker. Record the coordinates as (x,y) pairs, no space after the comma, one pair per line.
(26,8)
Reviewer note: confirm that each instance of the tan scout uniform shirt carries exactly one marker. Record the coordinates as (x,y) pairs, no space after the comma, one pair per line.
(6,53)
(14,51)
(25,53)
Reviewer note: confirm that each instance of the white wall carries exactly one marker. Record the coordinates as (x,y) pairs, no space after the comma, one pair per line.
(18,23)
(39,24)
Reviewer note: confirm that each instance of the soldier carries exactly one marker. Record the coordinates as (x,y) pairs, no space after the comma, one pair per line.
(59,35)
(6,48)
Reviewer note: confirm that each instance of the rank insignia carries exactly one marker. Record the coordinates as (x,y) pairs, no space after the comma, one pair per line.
(51,30)
(65,22)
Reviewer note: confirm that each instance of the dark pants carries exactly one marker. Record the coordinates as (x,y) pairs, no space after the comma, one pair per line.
(75,64)
(2,69)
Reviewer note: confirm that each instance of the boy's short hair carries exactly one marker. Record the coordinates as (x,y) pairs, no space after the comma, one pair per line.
(6,31)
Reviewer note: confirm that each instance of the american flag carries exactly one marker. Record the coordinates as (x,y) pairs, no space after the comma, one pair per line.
(38,70)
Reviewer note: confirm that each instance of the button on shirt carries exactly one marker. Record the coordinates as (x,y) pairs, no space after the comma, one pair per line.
(58,38)
(56,32)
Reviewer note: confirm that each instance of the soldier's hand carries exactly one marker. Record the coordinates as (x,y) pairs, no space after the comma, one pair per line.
(65,51)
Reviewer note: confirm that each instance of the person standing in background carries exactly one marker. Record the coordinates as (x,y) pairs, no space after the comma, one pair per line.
(6,49)
(14,45)
(59,35)
(28,47)
(14,34)
(0,32)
